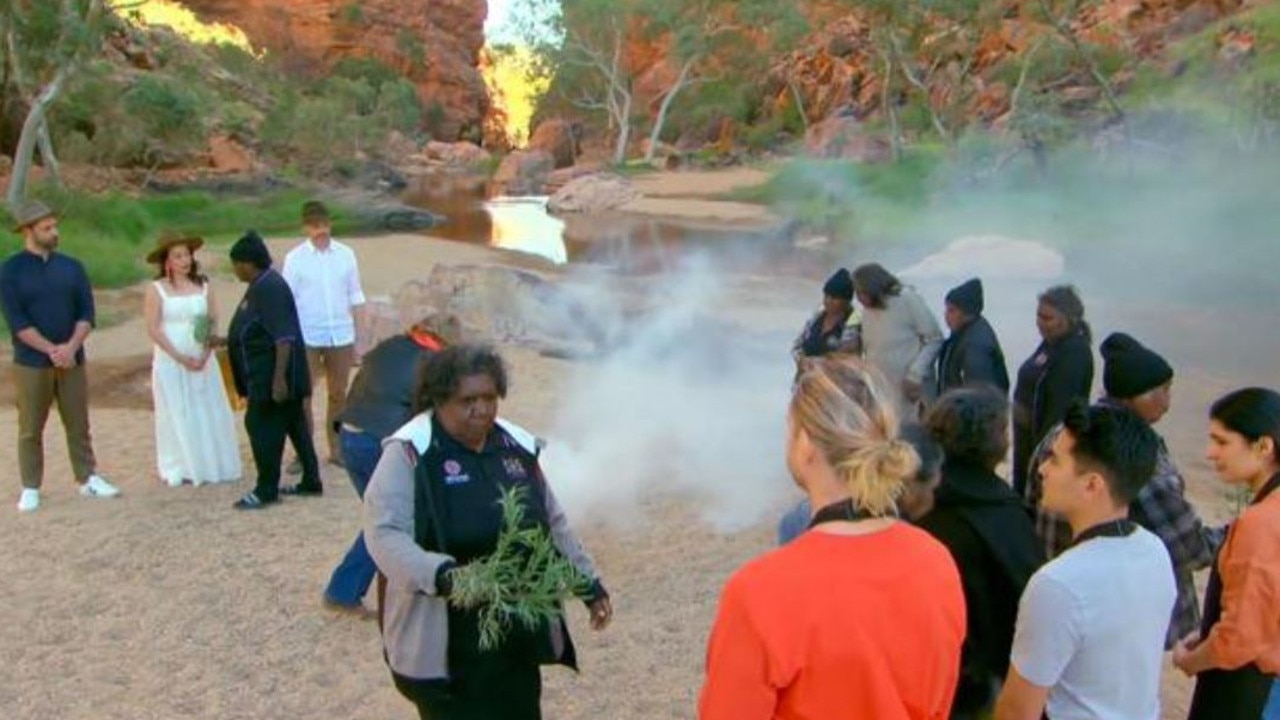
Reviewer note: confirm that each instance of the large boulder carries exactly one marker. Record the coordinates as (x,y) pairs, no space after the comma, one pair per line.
(523,172)
(842,137)
(559,178)
(458,155)
(593,193)
(509,305)
(559,138)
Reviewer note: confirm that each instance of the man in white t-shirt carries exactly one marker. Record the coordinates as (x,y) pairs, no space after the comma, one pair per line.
(1091,624)
(325,280)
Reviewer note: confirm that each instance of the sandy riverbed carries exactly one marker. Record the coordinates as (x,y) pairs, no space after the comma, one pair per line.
(166,604)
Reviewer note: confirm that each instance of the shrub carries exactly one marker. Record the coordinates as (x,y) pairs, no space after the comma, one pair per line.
(167,114)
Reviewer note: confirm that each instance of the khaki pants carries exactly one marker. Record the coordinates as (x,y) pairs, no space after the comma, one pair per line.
(335,365)
(36,391)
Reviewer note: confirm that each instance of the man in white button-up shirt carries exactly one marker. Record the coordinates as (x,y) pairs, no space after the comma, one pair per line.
(325,280)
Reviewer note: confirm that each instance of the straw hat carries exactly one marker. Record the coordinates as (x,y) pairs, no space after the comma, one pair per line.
(30,214)
(170,239)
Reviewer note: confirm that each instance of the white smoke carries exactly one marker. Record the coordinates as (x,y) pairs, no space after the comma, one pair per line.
(688,405)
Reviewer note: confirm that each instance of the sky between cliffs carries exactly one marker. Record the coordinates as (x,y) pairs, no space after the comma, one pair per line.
(495,24)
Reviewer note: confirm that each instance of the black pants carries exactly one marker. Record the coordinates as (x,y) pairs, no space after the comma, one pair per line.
(268,424)
(1239,694)
(487,689)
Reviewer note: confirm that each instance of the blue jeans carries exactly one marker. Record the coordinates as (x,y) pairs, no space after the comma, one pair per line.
(1273,703)
(352,577)
(794,523)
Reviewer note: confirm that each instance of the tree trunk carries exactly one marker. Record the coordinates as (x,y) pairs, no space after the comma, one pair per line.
(804,116)
(890,107)
(31,129)
(47,157)
(624,131)
(667,99)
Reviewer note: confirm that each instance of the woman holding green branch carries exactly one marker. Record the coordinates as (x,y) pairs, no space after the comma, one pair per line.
(475,550)
(195,434)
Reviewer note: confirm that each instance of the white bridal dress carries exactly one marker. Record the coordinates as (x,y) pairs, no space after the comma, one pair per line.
(195,434)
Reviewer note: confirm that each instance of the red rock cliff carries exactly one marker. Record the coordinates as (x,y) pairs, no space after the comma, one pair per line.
(435,44)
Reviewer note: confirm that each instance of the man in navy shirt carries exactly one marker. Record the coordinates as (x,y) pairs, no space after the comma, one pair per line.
(264,342)
(48,304)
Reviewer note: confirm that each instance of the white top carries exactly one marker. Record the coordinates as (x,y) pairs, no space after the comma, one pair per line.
(326,286)
(1091,627)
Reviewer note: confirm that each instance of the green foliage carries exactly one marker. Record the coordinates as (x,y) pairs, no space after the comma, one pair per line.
(1239,96)
(399,107)
(522,581)
(410,46)
(433,118)
(347,114)
(371,70)
(167,114)
(352,14)
(238,120)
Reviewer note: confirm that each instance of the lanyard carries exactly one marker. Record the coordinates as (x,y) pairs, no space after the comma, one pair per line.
(1267,489)
(839,511)
(1110,528)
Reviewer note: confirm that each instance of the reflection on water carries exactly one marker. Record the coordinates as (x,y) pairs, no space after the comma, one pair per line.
(627,244)
(524,224)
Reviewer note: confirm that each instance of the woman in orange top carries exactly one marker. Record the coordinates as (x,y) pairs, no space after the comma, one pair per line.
(1237,661)
(863,615)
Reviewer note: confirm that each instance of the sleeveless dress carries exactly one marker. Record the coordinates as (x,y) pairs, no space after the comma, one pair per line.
(195,432)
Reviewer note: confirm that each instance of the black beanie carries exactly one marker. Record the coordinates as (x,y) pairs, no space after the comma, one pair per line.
(967,297)
(1129,369)
(839,285)
(251,249)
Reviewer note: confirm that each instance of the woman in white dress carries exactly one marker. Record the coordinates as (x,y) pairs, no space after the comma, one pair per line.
(195,434)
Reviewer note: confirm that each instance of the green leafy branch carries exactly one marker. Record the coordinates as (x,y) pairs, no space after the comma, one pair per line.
(201,329)
(524,580)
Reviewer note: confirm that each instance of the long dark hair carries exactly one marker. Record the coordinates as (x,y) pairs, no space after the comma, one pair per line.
(876,283)
(1252,412)
(193,274)
(1066,300)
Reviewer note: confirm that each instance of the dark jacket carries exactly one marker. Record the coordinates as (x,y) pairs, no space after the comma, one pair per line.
(265,318)
(972,356)
(992,539)
(416,620)
(1054,375)
(381,396)
(845,337)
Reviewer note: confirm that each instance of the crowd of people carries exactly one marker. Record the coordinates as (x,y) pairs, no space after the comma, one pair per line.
(914,581)
(1077,573)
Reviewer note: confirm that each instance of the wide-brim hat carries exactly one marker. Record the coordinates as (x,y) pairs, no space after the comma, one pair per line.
(30,214)
(315,211)
(170,239)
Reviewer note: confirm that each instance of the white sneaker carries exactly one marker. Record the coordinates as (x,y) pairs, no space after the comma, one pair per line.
(97,486)
(29,501)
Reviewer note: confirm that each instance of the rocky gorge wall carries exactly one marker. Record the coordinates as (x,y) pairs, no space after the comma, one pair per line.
(435,44)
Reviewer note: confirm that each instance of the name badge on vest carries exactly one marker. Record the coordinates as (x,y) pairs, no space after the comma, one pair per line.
(514,468)
(453,473)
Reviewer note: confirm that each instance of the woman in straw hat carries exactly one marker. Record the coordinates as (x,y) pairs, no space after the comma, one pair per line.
(195,434)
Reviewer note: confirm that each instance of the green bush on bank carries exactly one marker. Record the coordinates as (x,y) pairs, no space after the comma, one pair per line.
(111,233)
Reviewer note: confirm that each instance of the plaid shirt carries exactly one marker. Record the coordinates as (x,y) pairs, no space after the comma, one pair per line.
(1160,507)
